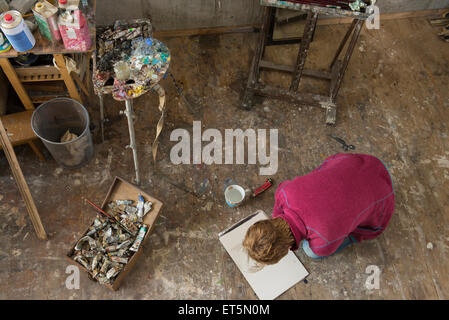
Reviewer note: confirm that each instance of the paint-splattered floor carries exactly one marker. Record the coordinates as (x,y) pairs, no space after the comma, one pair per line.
(394,104)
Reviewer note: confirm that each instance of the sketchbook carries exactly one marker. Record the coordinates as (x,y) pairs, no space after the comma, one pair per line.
(271,281)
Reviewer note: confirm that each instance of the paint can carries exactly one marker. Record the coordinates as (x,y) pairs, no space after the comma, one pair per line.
(234,195)
(45,14)
(68,4)
(4,43)
(74,31)
(17,32)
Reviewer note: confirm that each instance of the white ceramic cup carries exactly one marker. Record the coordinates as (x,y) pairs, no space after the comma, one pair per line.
(234,195)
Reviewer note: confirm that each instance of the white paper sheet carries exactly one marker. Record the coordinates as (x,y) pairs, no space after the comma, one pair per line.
(272,280)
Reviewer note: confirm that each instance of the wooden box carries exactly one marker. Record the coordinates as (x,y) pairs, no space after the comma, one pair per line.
(123,190)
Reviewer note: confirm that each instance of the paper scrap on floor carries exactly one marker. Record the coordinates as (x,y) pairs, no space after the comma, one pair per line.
(271,281)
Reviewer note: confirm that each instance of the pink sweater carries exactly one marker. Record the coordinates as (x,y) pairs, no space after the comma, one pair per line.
(348,195)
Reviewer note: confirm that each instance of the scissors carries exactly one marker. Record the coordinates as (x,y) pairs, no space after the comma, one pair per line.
(346,147)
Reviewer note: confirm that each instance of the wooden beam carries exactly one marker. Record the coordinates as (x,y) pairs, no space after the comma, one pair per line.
(386,16)
(21,183)
(287,68)
(15,82)
(205,31)
(321,22)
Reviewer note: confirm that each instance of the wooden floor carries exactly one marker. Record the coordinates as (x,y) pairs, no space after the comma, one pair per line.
(394,104)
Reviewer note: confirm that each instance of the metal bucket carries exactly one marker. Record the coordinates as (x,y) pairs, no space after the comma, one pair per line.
(51,121)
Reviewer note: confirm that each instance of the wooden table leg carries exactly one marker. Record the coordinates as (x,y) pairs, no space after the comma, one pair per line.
(343,43)
(88,75)
(21,183)
(71,87)
(347,57)
(16,83)
(253,77)
(309,30)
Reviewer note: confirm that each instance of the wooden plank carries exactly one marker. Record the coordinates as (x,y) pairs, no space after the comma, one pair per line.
(71,87)
(321,74)
(315,9)
(47,86)
(307,99)
(37,74)
(44,98)
(15,82)
(21,183)
(205,31)
(309,30)
(347,57)
(258,55)
(321,22)
(386,16)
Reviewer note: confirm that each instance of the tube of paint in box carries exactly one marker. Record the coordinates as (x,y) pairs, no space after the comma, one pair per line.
(140,236)
(140,205)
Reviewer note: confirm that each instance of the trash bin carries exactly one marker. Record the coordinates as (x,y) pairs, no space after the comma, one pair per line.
(63,126)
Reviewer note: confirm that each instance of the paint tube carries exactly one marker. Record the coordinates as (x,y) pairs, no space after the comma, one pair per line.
(140,205)
(88,239)
(82,261)
(124,244)
(140,236)
(112,272)
(119,259)
(95,261)
(105,265)
(125,202)
(147,207)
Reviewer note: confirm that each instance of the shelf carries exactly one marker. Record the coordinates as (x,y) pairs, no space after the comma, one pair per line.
(38,74)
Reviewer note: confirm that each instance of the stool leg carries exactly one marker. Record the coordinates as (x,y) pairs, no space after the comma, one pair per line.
(100,97)
(130,114)
(36,150)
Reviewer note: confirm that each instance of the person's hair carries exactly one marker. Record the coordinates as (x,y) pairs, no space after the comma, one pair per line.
(268,241)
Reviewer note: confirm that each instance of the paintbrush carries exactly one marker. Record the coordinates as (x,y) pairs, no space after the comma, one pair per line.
(111,218)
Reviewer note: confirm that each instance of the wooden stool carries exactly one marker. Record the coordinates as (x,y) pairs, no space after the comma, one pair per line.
(337,67)
(18,129)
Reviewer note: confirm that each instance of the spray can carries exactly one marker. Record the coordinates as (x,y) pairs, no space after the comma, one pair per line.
(4,43)
(74,31)
(17,32)
(45,15)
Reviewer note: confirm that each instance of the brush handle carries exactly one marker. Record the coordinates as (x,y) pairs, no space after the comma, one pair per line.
(268,183)
(110,217)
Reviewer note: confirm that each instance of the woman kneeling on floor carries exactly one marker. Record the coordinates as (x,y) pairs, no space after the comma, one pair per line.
(346,200)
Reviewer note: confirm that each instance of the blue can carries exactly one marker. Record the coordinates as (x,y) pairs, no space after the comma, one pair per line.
(16,31)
